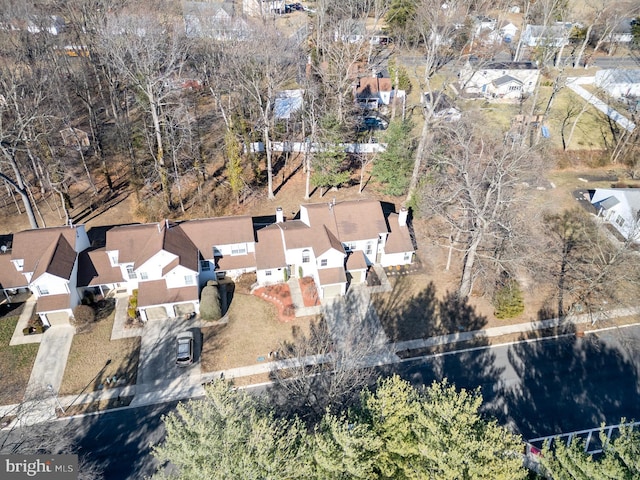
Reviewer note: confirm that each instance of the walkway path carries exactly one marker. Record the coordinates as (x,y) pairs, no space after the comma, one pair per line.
(574,84)
(18,337)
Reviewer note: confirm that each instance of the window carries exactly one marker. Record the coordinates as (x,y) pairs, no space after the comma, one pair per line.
(349,246)
(205,266)
(323,262)
(144,276)
(369,249)
(43,290)
(407,256)
(305,256)
(620,221)
(267,273)
(188,279)
(131,273)
(239,249)
(19,264)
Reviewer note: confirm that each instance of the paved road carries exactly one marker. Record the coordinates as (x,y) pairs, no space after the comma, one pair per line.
(617,62)
(550,386)
(540,388)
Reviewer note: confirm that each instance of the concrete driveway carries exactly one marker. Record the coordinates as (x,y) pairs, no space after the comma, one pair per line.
(157,366)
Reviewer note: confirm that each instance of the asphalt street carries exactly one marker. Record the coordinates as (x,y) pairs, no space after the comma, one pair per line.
(548,386)
(539,388)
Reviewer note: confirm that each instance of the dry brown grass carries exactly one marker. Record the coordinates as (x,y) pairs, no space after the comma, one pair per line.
(252,332)
(16,362)
(86,367)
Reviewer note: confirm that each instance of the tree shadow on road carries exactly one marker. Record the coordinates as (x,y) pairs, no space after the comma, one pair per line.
(569,384)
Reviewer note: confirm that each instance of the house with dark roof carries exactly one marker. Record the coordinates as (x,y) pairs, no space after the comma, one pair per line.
(46,262)
(372,92)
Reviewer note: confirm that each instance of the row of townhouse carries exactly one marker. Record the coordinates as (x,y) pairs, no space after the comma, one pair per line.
(168,263)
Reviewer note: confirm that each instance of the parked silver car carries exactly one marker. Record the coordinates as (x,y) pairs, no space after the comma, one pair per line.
(184,349)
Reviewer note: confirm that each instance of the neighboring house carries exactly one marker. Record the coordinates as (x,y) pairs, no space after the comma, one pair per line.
(215,20)
(334,243)
(287,103)
(441,106)
(260,8)
(45,261)
(500,79)
(622,32)
(556,35)
(619,207)
(505,34)
(482,23)
(53,24)
(371,92)
(618,82)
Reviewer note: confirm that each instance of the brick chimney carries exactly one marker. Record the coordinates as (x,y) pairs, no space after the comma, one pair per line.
(402,217)
(279,215)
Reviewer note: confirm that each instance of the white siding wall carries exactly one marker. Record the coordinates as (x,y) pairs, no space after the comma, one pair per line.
(334,259)
(153,267)
(176,277)
(54,285)
(294,257)
(392,259)
(277,276)
(362,245)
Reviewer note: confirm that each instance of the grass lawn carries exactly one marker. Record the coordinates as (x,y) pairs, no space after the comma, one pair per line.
(252,332)
(89,353)
(16,362)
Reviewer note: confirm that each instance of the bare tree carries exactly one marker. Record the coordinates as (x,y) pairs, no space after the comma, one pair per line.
(148,51)
(329,366)
(255,69)
(475,185)
(593,270)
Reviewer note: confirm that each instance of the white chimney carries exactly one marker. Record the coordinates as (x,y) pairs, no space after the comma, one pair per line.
(279,215)
(402,217)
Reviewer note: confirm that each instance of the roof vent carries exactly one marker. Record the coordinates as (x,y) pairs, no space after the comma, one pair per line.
(279,215)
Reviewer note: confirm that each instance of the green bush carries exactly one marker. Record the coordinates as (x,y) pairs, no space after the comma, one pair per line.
(210,303)
(83,315)
(508,300)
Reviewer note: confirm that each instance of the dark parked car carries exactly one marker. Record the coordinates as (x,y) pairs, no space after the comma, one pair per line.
(372,123)
(184,349)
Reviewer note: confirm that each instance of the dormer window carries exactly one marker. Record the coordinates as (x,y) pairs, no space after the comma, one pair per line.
(306,256)
(113,258)
(43,290)
(239,249)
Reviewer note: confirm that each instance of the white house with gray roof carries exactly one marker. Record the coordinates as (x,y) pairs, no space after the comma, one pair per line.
(620,208)
(499,79)
(619,82)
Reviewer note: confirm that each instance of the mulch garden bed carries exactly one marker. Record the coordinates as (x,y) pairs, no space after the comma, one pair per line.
(280,296)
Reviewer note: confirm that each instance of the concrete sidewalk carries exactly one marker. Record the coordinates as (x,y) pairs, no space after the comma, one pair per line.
(574,84)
